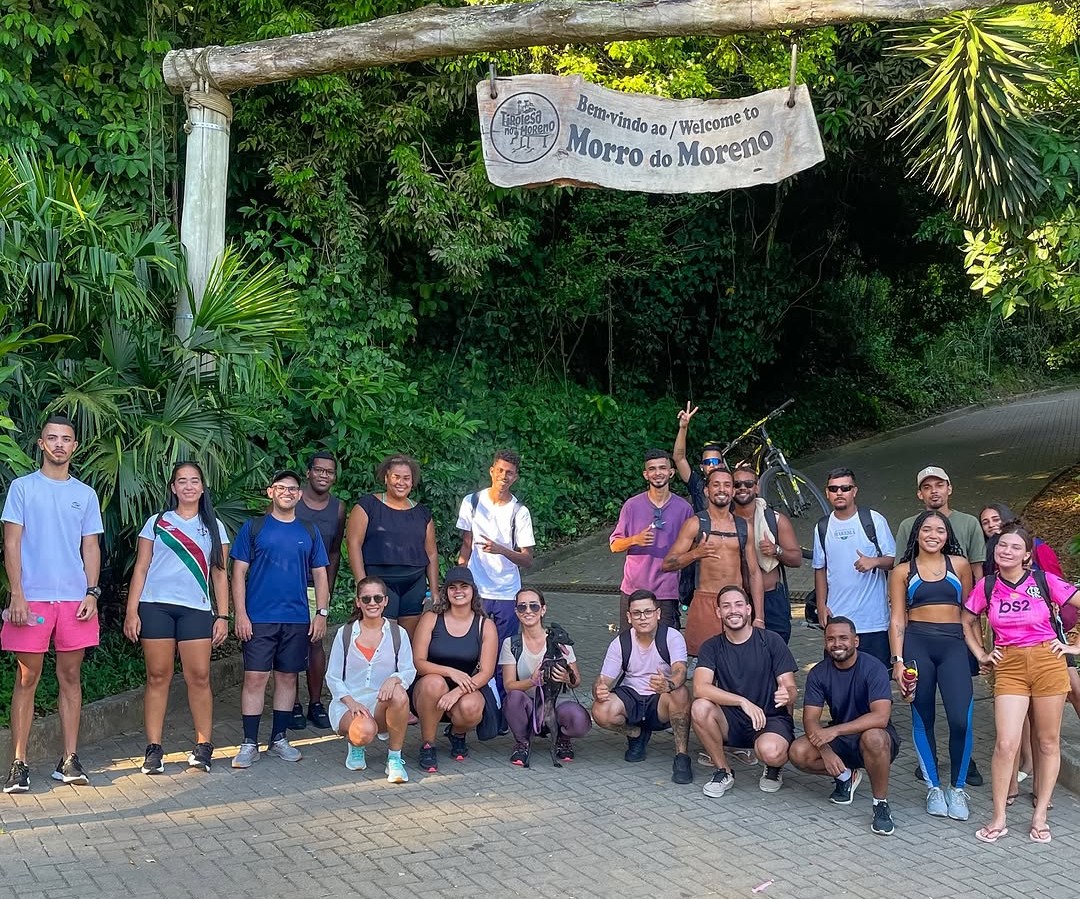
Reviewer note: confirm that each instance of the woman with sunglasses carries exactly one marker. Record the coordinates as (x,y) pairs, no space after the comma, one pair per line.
(391,536)
(927,589)
(1029,670)
(369,673)
(454,648)
(523,674)
(178,581)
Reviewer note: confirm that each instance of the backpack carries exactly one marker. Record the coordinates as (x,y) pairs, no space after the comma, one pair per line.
(1039,576)
(346,632)
(474,501)
(625,647)
(866,519)
(741,531)
(257,524)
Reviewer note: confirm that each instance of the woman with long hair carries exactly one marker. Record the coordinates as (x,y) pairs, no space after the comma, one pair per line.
(369,673)
(178,581)
(454,648)
(1029,670)
(522,659)
(927,588)
(391,536)
(992,517)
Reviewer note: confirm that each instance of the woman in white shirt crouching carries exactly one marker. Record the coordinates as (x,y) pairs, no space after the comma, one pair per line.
(369,673)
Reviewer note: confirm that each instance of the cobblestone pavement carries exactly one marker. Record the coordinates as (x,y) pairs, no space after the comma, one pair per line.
(598,827)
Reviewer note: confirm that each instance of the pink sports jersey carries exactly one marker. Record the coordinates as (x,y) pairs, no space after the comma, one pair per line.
(1018,613)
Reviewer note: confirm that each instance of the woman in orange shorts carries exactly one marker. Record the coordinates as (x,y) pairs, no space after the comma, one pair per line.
(1029,669)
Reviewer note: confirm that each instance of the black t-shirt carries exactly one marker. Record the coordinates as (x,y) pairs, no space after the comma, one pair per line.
(749,669)
(695,486)
(847,692)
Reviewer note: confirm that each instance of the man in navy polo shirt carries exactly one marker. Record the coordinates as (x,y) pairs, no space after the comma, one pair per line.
(272,556)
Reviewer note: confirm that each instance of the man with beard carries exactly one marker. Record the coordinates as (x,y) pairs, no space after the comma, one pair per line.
(645,531)
(853,551)
(715,540)
(642,685)
(744,684)
(326,512)
(777,548)
(710,459)
(860,735)
(934,490)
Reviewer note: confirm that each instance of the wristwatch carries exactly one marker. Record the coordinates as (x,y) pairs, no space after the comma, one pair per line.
(94,592)
(779,550)
(670,685)
(894,659)
(325,613)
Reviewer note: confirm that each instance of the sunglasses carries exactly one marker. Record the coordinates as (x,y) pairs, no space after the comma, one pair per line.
(658,518)
(840,488)
(712,460)
(744,483)
(528,607)
(374,598)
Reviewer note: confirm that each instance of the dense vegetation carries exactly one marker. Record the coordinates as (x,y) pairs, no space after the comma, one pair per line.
(383,296)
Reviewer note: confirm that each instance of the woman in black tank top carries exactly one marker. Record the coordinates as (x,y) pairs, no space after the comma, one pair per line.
(454,648)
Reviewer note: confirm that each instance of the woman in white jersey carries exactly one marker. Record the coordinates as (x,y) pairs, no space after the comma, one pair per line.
(181,555)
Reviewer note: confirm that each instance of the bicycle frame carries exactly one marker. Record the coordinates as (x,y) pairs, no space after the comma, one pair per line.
(765,453)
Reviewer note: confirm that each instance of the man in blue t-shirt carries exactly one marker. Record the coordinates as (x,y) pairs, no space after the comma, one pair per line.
(272,557)
(858,692)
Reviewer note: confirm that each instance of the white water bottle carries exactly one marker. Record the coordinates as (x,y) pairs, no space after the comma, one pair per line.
(31,620)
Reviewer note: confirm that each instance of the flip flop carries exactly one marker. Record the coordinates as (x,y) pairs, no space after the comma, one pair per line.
(1011,798)
(1040,834)
(990,834)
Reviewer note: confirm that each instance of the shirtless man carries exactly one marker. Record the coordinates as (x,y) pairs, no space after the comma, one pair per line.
(720,561)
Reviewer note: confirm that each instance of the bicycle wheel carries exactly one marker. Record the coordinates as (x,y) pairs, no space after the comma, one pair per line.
(792,492)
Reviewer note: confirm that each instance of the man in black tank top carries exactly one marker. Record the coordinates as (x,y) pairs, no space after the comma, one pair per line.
(325,512)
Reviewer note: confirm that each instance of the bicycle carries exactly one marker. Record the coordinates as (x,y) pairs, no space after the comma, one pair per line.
(784,488)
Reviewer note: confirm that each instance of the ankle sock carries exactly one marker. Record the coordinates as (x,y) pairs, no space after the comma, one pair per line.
(844,776)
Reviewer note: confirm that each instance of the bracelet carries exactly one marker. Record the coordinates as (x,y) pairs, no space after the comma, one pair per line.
(221,618)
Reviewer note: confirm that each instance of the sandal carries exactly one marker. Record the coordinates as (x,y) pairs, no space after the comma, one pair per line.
(1040,834)
(1035,802)
(1011,798)
(990,834)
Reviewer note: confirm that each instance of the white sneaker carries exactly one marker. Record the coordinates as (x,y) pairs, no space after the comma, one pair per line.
(395,771)
(284,750)
(721,782)
(249,753)
(355,759)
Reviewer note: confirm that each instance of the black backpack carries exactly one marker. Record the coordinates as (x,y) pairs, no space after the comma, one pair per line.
(867,522)
(1039,576)
(474,501)
(346,632)
(625,647)
(741,531)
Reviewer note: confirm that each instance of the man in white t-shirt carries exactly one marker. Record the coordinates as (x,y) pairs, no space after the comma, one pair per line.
(851,565)
(53,558)
(496,543)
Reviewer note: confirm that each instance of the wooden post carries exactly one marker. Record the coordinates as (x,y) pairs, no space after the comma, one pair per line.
(202,225)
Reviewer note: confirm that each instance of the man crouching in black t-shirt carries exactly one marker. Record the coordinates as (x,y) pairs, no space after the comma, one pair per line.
(743,687)
(857,690)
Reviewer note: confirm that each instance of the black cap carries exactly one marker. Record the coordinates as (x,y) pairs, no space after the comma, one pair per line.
(459,574)
(286,473)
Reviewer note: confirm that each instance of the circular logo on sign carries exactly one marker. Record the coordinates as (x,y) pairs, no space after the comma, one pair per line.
(524,128)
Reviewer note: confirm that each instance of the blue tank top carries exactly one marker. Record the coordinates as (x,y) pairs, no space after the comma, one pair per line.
(945,592)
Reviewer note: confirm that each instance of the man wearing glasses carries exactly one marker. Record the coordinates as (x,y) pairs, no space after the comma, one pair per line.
(710,459)
(319,508)
(642,685)
(646,530)
(851,565)
(273,555)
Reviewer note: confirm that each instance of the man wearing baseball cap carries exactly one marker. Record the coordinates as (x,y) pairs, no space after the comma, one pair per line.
(273,555)
(933,488)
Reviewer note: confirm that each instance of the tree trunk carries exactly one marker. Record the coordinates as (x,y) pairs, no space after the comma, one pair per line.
(433,31)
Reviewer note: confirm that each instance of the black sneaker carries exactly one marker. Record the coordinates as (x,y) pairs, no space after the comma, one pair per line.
(299,722)
(152,764)
(974,778)
(520,755)
(635,746)
(883,822)
(459,749)
(564,749)
(429,758)
(19,779)
(69,771)
(201,756)
(316,714)
(844,791)
(681,771)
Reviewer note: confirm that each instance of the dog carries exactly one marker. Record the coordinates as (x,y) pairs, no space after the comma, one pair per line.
(549,689)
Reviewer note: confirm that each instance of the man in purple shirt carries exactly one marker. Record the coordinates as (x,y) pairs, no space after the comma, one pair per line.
(648,525)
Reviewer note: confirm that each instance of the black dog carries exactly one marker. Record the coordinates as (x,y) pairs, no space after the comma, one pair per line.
(550,689)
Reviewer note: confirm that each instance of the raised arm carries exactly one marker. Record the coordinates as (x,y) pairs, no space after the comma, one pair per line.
(678,452)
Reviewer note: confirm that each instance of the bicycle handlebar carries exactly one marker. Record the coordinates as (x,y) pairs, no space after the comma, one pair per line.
(750,430)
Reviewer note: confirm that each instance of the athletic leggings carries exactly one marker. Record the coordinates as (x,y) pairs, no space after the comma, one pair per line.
(941,654)
(574,721)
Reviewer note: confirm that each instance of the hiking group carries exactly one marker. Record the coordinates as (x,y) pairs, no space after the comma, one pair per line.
(952,596)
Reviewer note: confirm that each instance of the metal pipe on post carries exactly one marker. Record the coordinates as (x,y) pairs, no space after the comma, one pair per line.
(206,173)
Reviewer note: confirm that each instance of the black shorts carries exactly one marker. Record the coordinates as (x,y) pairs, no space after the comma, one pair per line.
(641,710)
(847,747)
(166,621)
(741,734)
(405,587)
(277,647)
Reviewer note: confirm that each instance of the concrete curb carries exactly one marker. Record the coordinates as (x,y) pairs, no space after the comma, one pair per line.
(585,544)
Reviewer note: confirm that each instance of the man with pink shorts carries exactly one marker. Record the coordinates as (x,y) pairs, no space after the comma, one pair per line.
(53,558)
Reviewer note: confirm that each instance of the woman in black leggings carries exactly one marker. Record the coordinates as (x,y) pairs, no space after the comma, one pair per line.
(927,589)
